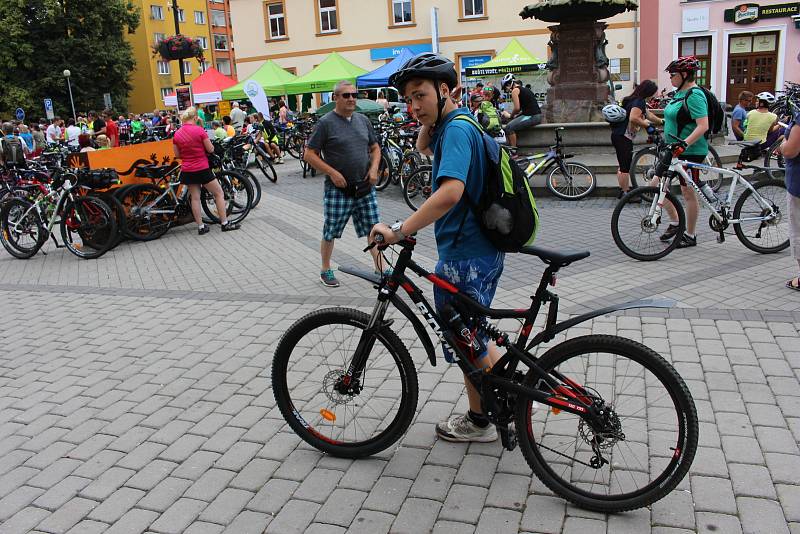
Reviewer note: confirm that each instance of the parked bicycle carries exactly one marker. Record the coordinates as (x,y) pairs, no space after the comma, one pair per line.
(583,412)
(88,224)
(567,181)
(759,216)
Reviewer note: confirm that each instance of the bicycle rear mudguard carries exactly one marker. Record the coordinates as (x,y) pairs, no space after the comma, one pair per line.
(402,307)
(549,333)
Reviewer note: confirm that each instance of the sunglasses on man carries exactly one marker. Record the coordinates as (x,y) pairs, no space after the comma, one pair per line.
(348,95)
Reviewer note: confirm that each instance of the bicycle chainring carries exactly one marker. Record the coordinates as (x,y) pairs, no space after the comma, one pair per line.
(716,225)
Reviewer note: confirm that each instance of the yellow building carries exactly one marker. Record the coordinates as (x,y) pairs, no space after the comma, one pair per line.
(299,34)
(154,78)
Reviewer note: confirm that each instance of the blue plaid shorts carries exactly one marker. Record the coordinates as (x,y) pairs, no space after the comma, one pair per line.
(475,277)
(338,208)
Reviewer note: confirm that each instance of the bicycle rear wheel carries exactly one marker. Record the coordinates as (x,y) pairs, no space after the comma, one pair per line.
(578,182)
(768,236)
(309,382)
(264,162)
(650,431)
(774,160)
(384,172)
(238,197)
(417,187)
(88,227)
(643,166)
(633,230)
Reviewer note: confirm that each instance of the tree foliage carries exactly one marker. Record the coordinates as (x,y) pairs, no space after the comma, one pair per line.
(42,38)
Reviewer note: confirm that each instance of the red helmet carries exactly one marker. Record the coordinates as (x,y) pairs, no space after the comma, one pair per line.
(684,64)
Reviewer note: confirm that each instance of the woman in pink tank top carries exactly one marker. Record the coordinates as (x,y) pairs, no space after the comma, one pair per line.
(192,146)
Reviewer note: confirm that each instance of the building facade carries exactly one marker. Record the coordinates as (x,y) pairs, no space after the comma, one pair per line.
(154,78)
(299,34)
(754,47)
(219,21)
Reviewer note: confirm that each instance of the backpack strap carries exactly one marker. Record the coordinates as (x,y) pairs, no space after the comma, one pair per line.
(471,206)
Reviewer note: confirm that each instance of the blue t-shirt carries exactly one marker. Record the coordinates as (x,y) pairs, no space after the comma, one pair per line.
(739,114)
(621,127)
(793,164)
(459,153)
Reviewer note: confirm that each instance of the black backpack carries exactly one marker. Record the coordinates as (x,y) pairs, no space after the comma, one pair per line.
(13,151)
(716,114)
(506,211)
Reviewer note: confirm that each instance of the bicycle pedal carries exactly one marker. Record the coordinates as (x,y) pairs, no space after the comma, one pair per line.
(508,437)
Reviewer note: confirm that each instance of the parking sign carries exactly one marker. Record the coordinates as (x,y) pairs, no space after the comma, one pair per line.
(20,114)
(48,109)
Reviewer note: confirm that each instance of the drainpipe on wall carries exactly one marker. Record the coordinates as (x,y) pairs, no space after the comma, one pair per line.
(636,47)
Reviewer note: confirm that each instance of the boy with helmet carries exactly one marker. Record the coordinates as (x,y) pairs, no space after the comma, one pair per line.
(526,112)
(693,144)
(467,259)
(762,124)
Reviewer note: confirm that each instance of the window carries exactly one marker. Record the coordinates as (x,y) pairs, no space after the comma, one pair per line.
(158,37)
(163,67)
(204,65)
(327,20)
(276,20)
(203,42)
(217,17)
(187,66)
(700,47)
(402,12)
(181,15)
(199,17)
(473,9)
(224,66)
(166,91)
(220,42)
(157,12)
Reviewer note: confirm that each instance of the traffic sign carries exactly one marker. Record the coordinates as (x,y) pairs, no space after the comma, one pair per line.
(48,109)
(20,114)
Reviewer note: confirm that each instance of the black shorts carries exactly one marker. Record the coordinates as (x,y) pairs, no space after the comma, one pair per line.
(196,177)
(624,148)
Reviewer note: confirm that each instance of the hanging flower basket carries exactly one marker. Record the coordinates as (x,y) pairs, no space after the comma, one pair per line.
(179,47)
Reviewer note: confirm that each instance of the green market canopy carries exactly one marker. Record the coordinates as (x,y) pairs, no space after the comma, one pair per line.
(514,58)
(324,76)
(271,76)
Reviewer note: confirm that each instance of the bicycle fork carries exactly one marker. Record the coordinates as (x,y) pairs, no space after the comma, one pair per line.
(351,381)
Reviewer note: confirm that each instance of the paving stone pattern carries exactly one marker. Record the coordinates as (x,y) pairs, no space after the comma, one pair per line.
(135,393)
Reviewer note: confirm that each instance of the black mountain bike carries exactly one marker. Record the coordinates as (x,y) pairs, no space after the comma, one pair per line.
(603,421)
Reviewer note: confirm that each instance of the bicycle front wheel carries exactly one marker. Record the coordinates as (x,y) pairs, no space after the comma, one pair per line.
(238,192)
(764,233)
(649,434)
(774,161)
(417,187)
(88,227)
(23,232)
(633,228)
(384,173)
(310,383)
(576,183)
(264,163)
(148,212)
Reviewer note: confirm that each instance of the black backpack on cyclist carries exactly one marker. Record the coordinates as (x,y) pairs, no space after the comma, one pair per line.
(13,152)
(716,114)
(506,211)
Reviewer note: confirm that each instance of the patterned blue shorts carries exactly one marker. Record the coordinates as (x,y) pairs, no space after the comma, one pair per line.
(338,208)
(475,277)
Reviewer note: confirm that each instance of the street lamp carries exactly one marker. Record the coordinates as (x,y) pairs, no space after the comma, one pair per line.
(67,74)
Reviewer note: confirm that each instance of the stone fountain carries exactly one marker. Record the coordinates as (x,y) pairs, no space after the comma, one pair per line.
(578,63)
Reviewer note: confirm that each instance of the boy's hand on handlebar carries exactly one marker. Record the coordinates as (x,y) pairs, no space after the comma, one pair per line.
(382,235)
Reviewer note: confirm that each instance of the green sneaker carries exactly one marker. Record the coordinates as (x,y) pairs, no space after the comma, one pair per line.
(328,279)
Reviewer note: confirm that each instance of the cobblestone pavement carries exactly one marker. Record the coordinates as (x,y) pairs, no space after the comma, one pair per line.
(135,392)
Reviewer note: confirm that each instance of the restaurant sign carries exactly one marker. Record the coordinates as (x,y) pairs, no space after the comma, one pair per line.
(750,13)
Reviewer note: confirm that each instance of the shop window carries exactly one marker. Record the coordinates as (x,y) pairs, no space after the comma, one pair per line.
(401,12)
(327,16)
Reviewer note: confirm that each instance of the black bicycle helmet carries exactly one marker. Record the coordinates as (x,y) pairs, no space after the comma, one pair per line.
(427,65)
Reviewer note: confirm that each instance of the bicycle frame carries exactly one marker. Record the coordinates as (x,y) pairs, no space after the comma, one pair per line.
(680,167)
(64,195)
(503,377)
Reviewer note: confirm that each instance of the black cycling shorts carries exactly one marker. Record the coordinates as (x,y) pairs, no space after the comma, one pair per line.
(624,148)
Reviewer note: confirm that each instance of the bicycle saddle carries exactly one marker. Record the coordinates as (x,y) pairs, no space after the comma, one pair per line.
(555,257)
(752,142)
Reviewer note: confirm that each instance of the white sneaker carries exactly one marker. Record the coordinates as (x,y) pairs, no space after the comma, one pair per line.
(461,428)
